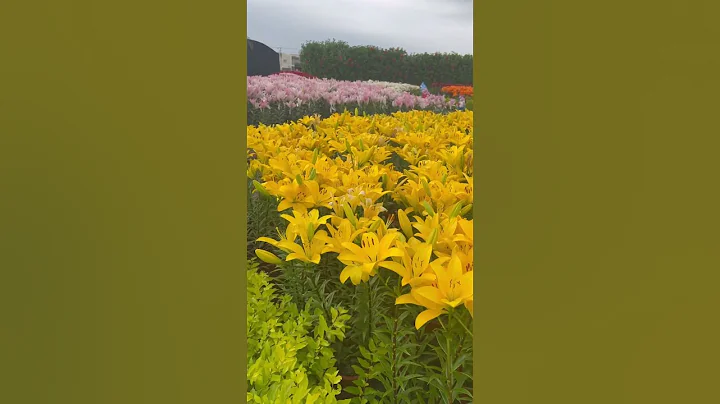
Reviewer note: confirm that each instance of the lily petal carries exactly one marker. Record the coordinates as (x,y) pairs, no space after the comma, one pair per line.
(406,299)
(426,316)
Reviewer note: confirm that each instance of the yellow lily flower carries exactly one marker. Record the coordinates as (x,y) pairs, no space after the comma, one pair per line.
(295,196)
(325,169)
(304,224)
(443,242)
(287,165)
(451,289)
(310,251)
(344,233)
(289,235)
(362,261)
(416,268)
(465,253)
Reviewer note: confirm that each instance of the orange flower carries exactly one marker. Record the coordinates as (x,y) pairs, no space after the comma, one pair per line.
(458,90)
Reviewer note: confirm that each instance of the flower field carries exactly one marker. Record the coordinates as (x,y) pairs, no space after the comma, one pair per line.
(360,239)
(284,98)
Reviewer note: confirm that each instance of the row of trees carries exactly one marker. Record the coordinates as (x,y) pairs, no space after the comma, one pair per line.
(338,60)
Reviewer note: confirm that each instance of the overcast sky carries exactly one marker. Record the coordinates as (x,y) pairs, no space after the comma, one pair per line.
(414,25)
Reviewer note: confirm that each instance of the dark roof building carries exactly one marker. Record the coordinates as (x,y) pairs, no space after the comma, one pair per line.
(261,59)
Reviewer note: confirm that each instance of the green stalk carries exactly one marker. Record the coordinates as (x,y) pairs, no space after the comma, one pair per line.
(370,313)
(448,365)
(466,329)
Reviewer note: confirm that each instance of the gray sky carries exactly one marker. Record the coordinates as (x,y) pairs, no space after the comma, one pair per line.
(414,25)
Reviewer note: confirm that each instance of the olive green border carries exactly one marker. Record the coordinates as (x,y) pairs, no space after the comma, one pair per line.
(597,200)
(122,232)
(122,226)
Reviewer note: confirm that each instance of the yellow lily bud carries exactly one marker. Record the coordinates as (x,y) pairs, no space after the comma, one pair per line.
(428,209)
(375,225)
(316,153)
(426,187)
(433,236)
(405,223)
(268,257)
(456,210)
(349,214)
(260,188)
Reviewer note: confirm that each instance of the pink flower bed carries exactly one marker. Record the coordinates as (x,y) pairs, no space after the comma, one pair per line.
(293,90)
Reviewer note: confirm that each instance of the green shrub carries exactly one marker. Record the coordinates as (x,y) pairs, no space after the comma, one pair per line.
(338,60)
(290,359)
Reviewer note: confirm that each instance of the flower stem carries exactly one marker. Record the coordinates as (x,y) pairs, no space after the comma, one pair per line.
(466,329)
(449,362)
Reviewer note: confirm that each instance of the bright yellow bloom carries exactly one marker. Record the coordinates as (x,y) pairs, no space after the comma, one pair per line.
(289,234)
(344,233)
(310,251)
(451,289)
(295,196)
(288,165)
(416,268)
(304,224)
(362,261)
(443,232)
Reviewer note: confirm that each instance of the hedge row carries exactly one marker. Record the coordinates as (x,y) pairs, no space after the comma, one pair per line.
(338,60)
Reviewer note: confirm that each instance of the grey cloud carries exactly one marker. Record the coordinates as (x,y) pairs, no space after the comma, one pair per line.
(415,25)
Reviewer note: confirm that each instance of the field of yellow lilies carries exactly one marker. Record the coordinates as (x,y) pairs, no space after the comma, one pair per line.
(360,234)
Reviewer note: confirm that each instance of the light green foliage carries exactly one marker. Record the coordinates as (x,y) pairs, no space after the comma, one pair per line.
(290,359)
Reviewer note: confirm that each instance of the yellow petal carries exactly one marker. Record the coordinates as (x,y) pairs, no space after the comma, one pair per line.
(406,299)
(421,259)
(393,252)
(268,240)
(296,256)
(469,306)
(466,286)
(443,280)
(428,296)
(284,204)
(357,275)
(454,268)
(291,246)
(395,267)
(345,274)
(387,240)
(353,272)
(454,303)
(426,316)
(289,218)
(370,245)
(358,252)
